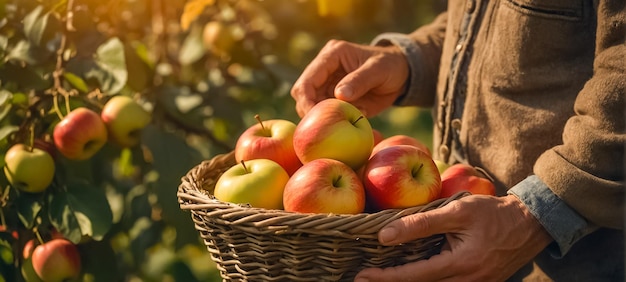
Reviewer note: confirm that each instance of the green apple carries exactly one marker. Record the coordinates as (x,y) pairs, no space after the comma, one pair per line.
(270,139)
(441,165)
(29,169)
(324,186)
(80,134)
(124,119)
(401,176)
(258,182)
(56,260)
(334,129)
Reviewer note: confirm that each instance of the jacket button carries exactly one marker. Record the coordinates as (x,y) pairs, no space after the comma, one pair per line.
(444,151)
(456,124)
(470,6)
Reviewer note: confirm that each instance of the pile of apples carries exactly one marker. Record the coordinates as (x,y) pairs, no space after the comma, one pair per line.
(333,161)
(78,136)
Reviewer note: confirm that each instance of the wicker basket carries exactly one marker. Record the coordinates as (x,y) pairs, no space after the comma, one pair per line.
(254,244)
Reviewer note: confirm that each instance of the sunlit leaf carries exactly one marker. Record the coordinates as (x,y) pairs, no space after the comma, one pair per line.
(76,81)
(193,9)
(7,130)
(35,25)
(192,49)
(110,59)
(26,52)
(83,211)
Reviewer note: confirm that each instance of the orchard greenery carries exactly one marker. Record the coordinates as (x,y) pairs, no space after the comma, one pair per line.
(201,69)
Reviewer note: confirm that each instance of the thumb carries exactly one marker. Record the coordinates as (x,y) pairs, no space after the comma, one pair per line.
(419,225)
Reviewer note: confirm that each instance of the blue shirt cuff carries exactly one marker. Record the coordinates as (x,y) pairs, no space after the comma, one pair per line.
(413,54)
(564,224)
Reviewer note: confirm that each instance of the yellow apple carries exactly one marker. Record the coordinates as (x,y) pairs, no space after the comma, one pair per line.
(259,183)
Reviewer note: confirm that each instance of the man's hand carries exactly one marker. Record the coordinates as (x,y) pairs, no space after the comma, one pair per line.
(369,77)
(488,239)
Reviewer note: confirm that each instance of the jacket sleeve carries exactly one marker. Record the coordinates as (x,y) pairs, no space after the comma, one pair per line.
(587,170)
(422,49)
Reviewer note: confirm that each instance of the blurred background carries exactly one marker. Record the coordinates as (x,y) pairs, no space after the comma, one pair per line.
(203,68)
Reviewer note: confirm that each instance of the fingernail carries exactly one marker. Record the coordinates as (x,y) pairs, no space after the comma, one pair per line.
(387,234)
(344,90)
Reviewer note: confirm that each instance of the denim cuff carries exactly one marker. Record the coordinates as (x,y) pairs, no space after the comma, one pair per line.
(564,224)
(413,55)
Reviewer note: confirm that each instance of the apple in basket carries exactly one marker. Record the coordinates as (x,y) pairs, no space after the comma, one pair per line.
(324,186)
(270,139)
(462,177)
(259,183)
(400,139)
(334,129)
(401,176)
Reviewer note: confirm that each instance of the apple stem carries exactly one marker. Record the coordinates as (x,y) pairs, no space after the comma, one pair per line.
(244,166)
(336,181)
(357,120)
(38,236)
(258,118)
(31,138)
(414,173)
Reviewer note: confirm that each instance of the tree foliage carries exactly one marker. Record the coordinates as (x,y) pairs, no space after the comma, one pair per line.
(202,68)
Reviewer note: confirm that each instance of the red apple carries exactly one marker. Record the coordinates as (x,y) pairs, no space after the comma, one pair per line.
(324,186)
(401,176)
(29,247)
(334,129)
(259,183)
(56,260)
(29,169)
(80,134)
(270,139)
(462,177)
(124,119)
(400,140)
(378,136)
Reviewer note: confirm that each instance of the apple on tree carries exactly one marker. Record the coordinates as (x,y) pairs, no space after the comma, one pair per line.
(56,260)
(334,129)
(401,176)
(124,120)
(270,139)
(29,169)
(400,139)
(462,177)
(80,134)
(324,186)
(259,183)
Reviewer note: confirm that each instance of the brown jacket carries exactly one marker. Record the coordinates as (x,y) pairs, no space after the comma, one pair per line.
(521,87)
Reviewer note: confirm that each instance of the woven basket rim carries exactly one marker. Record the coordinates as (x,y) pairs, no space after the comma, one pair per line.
(192,196)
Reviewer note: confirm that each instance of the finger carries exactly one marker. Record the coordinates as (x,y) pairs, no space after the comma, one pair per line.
(436,268)
(357,83)
(421,225)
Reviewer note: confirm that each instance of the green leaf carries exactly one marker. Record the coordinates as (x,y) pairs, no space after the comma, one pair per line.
(76,81)
(107,68)
(28,207)
(110,59)
(98,260)
(192,49)
(5,96)
(35,25)
(24,51)
(83,211)
(6,130)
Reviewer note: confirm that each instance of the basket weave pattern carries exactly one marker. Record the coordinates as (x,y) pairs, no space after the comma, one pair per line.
(254,244)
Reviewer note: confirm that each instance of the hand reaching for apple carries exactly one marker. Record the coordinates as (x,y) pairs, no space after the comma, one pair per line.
(349,71)
(488,239)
